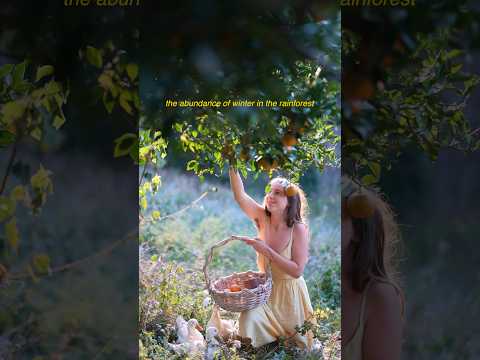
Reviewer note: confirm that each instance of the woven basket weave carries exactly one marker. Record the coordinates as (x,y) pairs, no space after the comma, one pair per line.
(243,300)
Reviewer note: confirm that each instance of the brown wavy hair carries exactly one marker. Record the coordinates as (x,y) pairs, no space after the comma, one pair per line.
(297,206)
(376,242)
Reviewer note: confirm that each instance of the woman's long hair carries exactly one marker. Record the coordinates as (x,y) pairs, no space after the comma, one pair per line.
(375,241)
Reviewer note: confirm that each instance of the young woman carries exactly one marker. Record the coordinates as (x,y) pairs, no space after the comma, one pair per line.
(372,302)
(282,244)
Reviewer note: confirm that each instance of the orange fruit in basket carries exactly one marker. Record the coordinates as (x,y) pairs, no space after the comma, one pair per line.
(252,283)
(235,288)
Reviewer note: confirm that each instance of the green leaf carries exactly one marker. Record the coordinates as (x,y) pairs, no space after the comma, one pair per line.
(105,81)
(470,83)
(41,263)
(6,138)
(455,68)
(369,180)
(7,207)
(43,71)
(59,99)
(136,101)
(18,193)
(124,143)
(268,188)
(143,203)
(453,53)
(192,165)
(5,70)
(11,233)
(52,88)
(132,71)
(18,74)
(134,152)
(36,134)
(157,180)
(125,96)
(58,121)
(109,104)
(243,170)
(41,181)
(178,127)
(46,103)
(155,215)
(94,56)
(13,110)
(375,168)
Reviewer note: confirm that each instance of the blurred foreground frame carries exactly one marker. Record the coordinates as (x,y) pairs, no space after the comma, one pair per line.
(69,110)
(409,105)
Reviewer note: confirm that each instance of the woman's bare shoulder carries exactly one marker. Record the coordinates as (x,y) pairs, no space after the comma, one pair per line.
(300,226)
(383,296)
(300,229)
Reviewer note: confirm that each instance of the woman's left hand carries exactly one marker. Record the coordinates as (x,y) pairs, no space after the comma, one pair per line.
(259,245)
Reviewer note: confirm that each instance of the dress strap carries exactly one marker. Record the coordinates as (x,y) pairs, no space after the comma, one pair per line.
(361,318)
(290,242)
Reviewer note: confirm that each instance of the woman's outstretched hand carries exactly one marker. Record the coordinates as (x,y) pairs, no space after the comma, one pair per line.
(259,245)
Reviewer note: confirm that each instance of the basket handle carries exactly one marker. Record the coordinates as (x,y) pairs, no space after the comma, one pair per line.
(209,257)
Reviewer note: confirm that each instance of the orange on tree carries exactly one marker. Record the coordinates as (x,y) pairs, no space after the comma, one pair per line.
(360,206)
(291,190)
(228,152)
(267,165)
(289,140)
(264,164)
(365,89)
(244,156)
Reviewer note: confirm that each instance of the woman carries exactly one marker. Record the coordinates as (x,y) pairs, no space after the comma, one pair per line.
(282,244)
(372,302)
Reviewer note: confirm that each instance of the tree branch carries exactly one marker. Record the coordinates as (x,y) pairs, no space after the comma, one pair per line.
(179,211)
(9,166)
(106,250)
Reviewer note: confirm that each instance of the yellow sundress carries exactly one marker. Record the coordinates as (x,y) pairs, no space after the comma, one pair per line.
(288,306)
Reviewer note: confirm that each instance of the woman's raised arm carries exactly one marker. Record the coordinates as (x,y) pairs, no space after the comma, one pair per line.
(253,209)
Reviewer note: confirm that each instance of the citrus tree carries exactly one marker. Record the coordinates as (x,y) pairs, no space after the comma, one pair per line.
(288,139)
(31,101)
(402,87)
(260,137)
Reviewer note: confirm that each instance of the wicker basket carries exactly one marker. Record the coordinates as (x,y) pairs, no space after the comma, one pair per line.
(243,300)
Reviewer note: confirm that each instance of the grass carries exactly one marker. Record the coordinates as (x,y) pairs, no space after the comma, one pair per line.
(172,256)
